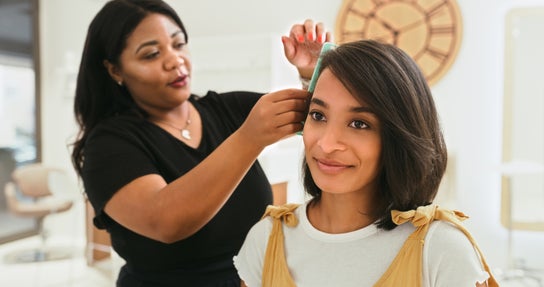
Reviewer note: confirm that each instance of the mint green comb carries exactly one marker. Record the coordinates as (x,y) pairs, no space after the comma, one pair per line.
(326,47)
(311,87)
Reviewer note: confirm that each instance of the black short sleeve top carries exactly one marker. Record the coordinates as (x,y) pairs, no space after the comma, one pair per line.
(123,148)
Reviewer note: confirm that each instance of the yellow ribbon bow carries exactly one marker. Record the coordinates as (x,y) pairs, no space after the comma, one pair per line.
(275,270)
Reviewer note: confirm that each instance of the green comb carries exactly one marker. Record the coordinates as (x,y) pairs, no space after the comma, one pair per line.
(311,87)
(326,47)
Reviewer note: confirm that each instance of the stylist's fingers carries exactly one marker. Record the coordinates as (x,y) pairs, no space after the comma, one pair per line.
(288,106)
(290,113)
(291,118)
(299,105)
(290,110)
(287,94)
(290,123)
(275,116)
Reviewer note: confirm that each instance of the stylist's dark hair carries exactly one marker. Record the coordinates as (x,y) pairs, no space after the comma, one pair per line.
(97,96)
(414,154)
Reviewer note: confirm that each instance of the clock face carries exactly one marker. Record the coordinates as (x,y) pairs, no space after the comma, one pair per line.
(428,30)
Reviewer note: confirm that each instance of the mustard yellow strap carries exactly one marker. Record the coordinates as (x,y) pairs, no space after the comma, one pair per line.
(275,270)
(421,219)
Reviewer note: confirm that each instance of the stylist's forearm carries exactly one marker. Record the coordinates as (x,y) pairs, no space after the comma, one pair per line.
(195,198)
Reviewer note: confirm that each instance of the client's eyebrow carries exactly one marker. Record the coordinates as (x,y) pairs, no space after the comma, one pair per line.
(360,109)
(319,102)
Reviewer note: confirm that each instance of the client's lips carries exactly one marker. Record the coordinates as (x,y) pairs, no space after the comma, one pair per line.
(331,166)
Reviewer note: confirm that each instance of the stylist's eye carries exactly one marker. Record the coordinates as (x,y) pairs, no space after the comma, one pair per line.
(358,124)
(151,55)
(180,45)
(317,116)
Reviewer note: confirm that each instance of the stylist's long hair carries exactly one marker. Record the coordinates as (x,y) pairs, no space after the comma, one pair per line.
(414,154)
(98,96)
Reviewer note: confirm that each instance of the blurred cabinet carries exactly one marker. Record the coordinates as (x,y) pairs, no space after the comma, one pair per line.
(279,191)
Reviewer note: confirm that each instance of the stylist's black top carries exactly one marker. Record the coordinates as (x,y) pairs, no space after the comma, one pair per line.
(124,148)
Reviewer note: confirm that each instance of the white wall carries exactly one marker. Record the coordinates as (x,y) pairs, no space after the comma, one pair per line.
(469,97)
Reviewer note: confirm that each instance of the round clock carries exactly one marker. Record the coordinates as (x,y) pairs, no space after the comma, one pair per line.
(428,30)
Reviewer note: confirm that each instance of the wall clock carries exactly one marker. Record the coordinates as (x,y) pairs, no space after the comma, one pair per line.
(428,30)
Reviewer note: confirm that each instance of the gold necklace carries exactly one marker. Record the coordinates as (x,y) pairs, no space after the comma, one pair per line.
(185,133)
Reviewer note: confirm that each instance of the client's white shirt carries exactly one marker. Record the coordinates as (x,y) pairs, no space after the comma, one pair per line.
(359,258)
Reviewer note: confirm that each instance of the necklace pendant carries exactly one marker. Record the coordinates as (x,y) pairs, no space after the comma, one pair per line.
(186,134)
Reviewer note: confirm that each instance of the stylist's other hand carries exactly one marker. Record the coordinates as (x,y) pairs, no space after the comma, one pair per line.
(303,45)
(275,116)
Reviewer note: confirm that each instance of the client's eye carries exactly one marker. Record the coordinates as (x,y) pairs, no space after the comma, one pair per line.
(317,116)
(358,124)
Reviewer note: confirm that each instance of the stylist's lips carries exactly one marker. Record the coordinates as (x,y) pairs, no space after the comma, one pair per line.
(179,82)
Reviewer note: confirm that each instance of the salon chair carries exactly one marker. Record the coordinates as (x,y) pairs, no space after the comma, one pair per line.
(35,192)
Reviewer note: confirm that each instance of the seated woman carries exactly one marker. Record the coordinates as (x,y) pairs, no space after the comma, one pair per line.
(374,159)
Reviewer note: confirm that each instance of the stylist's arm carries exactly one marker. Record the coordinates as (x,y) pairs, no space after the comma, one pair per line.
(171,212)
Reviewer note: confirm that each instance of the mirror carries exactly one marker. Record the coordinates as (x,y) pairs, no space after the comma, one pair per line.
(523,121)
(19,105)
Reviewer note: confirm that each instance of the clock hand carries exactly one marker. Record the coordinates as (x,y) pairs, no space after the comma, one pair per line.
(393,31)
(411,25)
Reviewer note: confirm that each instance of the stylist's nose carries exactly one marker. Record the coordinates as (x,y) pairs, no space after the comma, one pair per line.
(174,61)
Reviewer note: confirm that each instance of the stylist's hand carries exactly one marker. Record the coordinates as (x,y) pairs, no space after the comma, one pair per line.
(275,116)
(303,45)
